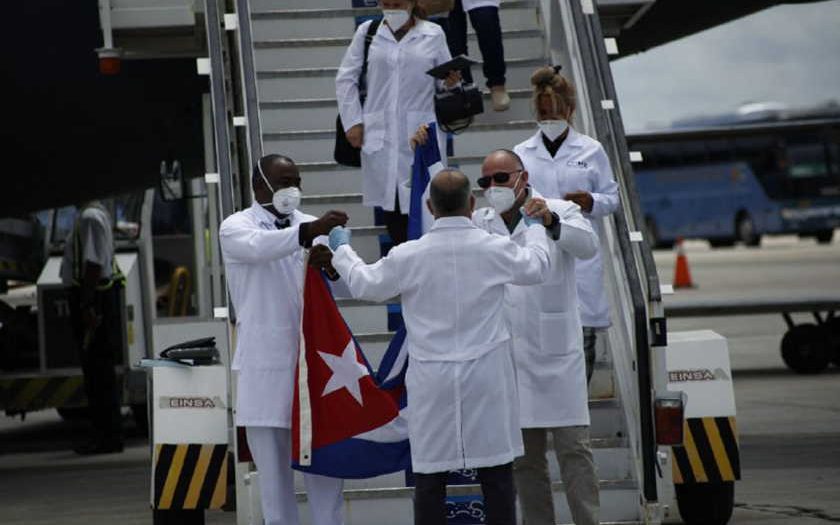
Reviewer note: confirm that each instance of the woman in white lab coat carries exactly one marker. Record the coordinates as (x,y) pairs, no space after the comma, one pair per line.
(566,164)
(400,97)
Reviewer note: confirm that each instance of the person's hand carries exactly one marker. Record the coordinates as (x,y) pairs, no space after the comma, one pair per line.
(538,209)
(421,136)
(582,199)
(529,221)
(90,319)
(327,222)
(356,135)
(339,236)
(452,78)
(320,256)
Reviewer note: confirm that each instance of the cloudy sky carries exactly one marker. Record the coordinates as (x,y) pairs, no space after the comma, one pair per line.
(789,54)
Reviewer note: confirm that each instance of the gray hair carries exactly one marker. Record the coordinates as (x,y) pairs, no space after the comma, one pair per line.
(449,191)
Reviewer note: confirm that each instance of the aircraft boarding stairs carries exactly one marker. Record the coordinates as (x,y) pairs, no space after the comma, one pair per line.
(297,46)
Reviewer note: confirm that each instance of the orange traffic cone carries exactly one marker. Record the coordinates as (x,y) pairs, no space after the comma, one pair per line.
(682,276)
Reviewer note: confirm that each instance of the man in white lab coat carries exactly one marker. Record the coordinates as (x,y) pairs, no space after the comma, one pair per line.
(547,344)
(462,408)
(264,249)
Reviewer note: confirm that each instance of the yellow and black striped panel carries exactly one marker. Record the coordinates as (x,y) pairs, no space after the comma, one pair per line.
(709,453)
(36,393)
(190,476)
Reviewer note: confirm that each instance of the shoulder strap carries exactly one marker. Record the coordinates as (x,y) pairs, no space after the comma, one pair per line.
(371,32)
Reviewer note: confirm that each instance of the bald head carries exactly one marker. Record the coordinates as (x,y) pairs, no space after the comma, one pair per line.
(502,160)
(450,194)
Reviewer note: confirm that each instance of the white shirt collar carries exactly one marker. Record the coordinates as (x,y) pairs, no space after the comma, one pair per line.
(265,216)
(421,27)
(452,222)
(536,142)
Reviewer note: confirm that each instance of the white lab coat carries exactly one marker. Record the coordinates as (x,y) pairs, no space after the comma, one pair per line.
(462,405)
(580,164)
(400,97)
(469,5)
(264,271)
(545,323)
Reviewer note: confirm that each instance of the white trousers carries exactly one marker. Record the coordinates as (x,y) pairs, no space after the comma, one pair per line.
(271,448)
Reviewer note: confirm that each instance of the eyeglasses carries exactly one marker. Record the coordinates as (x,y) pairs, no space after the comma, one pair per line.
(499,178)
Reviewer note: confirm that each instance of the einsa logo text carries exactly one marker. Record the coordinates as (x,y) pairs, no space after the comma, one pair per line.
(697,374)
(191,402)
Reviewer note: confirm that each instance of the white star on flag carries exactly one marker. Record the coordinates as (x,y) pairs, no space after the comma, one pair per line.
(346,372)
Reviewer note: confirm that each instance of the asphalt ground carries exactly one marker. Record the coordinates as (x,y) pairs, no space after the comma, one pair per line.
(789,424)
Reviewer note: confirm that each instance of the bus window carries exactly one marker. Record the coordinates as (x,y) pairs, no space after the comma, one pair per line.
(649,157)
(832,189)
(43,218)
(807,167)
(62,224)
(719,151)
(170,217)
(693,152)
(807,161)
(667,155)
(127,208)
(765,155)
(834,154)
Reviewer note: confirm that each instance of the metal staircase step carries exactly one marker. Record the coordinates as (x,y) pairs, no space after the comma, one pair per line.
(328,51)
(393,505)
(280,10)
(479,140)
(301,23)
(293,83)
(272,5)
(320,113)
(458,490)
(327,177)
(317,205)
(298,45)
(397,479)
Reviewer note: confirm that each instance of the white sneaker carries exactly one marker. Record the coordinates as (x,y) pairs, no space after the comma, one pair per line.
(501,100)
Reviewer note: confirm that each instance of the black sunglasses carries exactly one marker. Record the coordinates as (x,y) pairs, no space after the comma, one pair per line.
(499,178)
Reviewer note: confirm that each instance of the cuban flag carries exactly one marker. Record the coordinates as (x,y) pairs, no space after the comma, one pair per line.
(427,163)
(345,424)
(346,419)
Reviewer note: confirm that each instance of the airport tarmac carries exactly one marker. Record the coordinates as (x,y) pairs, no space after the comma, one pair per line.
(789,424)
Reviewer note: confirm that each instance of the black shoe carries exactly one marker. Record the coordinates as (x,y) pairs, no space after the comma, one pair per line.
(99,446)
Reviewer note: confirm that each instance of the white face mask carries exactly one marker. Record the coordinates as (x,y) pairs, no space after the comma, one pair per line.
(501,198)
(286,200)
(553,128)
(396,18)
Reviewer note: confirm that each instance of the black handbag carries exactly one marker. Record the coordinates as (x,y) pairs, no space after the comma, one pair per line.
(344,153)
(456,108)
